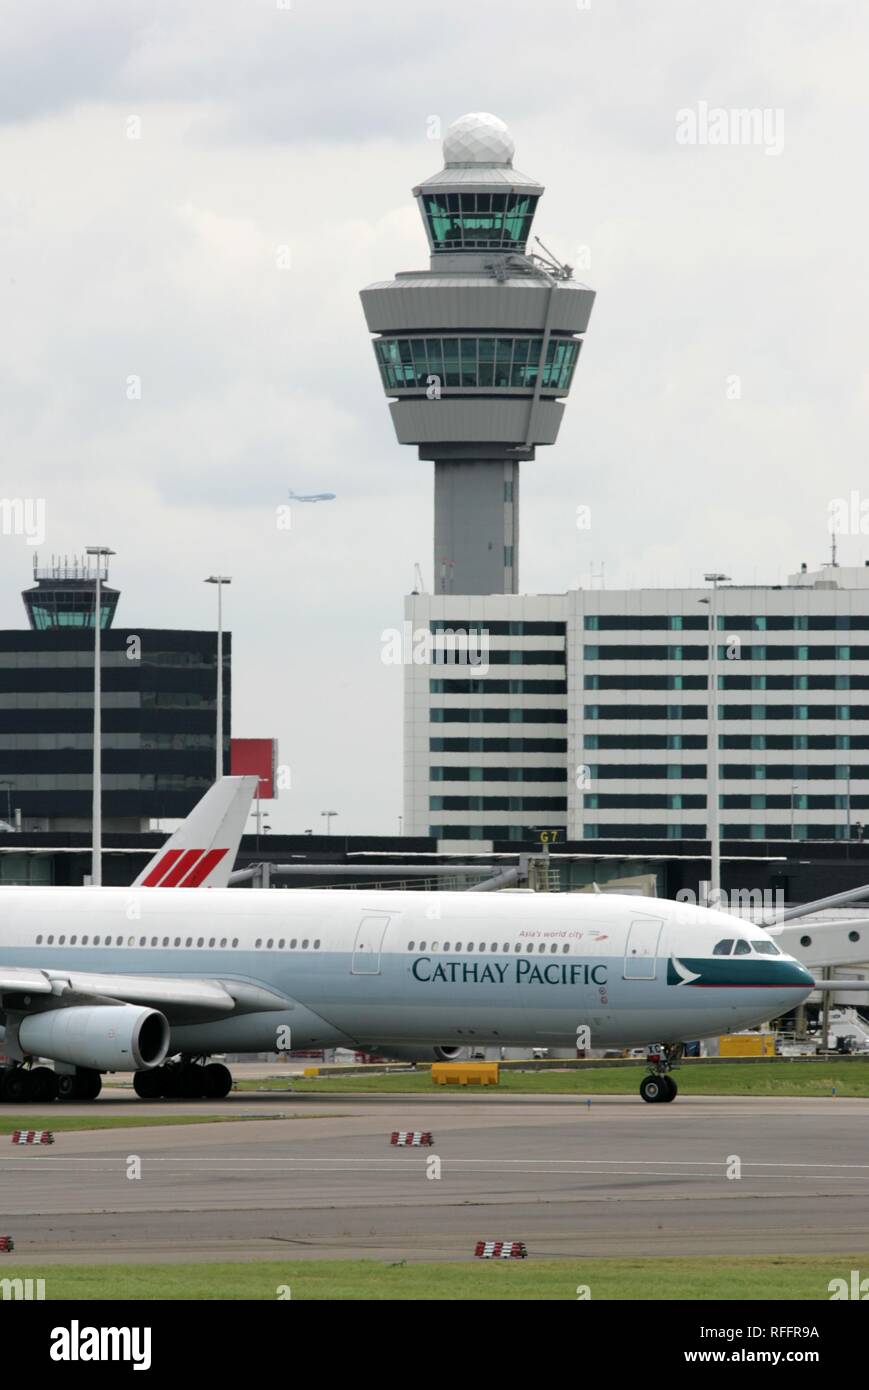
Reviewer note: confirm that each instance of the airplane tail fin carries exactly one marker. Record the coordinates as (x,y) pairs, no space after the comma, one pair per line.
(202,851)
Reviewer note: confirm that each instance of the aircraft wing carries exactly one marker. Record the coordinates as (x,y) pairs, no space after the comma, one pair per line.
(17,980)
(202,851)
(172,994)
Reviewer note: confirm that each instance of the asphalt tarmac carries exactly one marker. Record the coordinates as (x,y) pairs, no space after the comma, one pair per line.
(317,1177)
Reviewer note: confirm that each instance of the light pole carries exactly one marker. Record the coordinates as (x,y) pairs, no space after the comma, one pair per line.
(219,580)
(102,553)
(328,815)
(712,817)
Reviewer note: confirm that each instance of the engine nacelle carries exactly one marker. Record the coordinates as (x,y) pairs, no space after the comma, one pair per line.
(102,1037)
(425,1054)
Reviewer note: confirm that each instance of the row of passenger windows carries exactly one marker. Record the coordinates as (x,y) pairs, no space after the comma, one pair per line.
(493,946)
(281,944)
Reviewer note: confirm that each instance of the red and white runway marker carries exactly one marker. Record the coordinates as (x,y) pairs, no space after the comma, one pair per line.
(412,1138)
(501,1250)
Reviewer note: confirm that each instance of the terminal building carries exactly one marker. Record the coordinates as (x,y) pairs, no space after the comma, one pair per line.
(158,711)
(587,713)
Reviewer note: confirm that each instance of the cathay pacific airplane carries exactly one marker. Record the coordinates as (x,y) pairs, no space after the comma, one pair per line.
(104,979)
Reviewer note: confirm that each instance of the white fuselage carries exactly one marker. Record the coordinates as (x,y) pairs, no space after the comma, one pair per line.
(362,968)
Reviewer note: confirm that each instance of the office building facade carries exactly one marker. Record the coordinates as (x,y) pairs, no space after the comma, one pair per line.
(158,712)
(586,714)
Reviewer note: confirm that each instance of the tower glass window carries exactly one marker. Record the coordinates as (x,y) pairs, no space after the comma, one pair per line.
(406,364)
(479,221)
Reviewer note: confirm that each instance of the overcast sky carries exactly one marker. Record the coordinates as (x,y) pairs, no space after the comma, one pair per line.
(721,398)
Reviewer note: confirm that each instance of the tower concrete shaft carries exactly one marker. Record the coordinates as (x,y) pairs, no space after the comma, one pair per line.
(478,352)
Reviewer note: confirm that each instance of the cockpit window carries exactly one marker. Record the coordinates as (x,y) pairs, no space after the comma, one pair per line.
(742,948)
(766,948)
(723,948)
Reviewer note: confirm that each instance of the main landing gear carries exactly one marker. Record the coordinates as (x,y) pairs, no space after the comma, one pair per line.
(659,1085)
(40,1085)
(187,1079)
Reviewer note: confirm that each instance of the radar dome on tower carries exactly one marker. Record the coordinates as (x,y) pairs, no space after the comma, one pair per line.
(478,138)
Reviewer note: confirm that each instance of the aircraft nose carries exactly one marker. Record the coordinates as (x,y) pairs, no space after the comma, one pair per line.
(791,977)
(797,974)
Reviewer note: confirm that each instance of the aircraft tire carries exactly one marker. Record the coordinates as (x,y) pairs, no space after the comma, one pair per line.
(218,1081)
(167,1076)
(44,1083)
(16,1086)
(89,1084)
(191,1081)
(671,1089)
(653,1089)
(67,1086)
(148,1084)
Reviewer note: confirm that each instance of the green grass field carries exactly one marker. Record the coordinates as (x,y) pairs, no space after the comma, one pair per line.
(772,1077)
(768,1277)
(59,1123)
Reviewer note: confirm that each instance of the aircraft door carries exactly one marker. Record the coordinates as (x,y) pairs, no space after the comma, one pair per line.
(366,947)
(641,948)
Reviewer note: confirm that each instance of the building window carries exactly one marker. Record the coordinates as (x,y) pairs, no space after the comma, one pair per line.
(473,363)
(498,221)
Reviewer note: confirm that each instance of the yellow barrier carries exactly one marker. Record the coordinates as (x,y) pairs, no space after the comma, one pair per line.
(747,1045)
(465,1073)
(311,1071)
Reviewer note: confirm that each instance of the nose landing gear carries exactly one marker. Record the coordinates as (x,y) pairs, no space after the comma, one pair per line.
(659,1085)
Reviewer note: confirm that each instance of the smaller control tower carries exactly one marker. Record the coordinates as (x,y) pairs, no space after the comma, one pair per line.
(64,594)
(478,352)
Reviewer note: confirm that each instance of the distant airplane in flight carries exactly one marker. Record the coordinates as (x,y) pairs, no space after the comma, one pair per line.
(311,496)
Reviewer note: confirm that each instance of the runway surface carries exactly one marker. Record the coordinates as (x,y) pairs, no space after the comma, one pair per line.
(617,1177)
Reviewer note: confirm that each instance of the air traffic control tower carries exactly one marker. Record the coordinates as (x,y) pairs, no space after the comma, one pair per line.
(478,352)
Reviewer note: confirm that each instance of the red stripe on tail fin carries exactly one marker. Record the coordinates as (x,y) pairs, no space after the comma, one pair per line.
(182,868)
(163,865)
(201,870)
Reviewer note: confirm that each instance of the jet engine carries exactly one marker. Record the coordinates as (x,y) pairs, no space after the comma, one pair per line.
(425,1054)
(101,1037)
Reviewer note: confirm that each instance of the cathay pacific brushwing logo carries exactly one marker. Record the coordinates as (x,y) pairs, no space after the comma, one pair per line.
(678,974)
